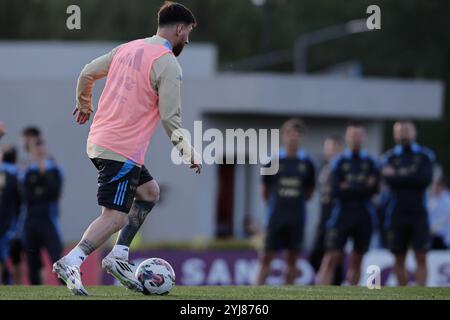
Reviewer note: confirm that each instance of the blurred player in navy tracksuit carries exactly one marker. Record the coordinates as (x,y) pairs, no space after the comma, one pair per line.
(286,193)
(332,147)
(29,137)
(42,184)
(355,179)
(407,171)
(9,203)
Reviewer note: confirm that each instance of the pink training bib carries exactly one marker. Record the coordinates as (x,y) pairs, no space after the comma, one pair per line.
(128,112)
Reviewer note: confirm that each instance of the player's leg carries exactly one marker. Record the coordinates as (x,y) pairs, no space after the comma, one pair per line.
(4,224)
(397,241)
(335,240)
(291,257)
(328,267)
(272,244)
(400,269)
(5,275)
(361,240)
(116,262)
(117,185)
(53,242)
(68,267)
(101,229)
(421,271)
(294,237)
(15,254)
(318,251)
(338,275)
(421,242)
(3,257)
(147,194)
(354,268)
(33,245)
(264,267)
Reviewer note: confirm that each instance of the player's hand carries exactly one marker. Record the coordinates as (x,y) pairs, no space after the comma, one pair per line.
(388,171)
(196,167)
(81,116)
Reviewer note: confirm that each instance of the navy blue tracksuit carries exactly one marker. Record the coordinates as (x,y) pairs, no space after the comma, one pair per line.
(41,229)
(288,192)
(9,204)
(353,215)
(406,217)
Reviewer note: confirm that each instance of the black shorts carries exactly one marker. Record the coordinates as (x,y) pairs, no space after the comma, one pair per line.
(413,233)
(359,231)
(284,235)
(118,181)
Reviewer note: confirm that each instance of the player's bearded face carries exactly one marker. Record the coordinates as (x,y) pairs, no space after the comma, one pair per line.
(404,133)
(183,32)
(355,137)
(291,138)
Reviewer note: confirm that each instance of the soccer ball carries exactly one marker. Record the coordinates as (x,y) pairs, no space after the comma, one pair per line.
(156,275)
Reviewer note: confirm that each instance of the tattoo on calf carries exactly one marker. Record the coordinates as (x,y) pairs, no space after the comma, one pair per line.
(87,247)
(136,218)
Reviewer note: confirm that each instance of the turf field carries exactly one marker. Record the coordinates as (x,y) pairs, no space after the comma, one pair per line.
(231,293)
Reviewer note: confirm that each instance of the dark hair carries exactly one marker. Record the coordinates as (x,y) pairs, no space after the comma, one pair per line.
(405,121)
(31,131)
(294,123)
(355,123)
(9,155)
(172,12)
(336,139)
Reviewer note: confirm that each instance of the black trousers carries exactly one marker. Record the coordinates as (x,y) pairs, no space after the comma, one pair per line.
(40,235)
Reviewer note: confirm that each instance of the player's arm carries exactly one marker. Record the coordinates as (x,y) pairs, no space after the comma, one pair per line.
(169,91)
(420,178)
(423,177)
(372,185)
(340,187)
(93,71)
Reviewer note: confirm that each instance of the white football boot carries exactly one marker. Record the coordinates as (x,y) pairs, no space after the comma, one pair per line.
(123,271)
(71,276)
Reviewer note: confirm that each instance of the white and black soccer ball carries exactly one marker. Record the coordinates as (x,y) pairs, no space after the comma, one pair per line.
(156,275)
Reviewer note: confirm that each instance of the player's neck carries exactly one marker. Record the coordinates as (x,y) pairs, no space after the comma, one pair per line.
(291,153)
(163,33)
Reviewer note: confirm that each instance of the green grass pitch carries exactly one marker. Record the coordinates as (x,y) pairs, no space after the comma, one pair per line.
(231,293)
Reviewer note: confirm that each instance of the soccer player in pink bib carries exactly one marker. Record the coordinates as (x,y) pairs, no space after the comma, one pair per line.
(142,87)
